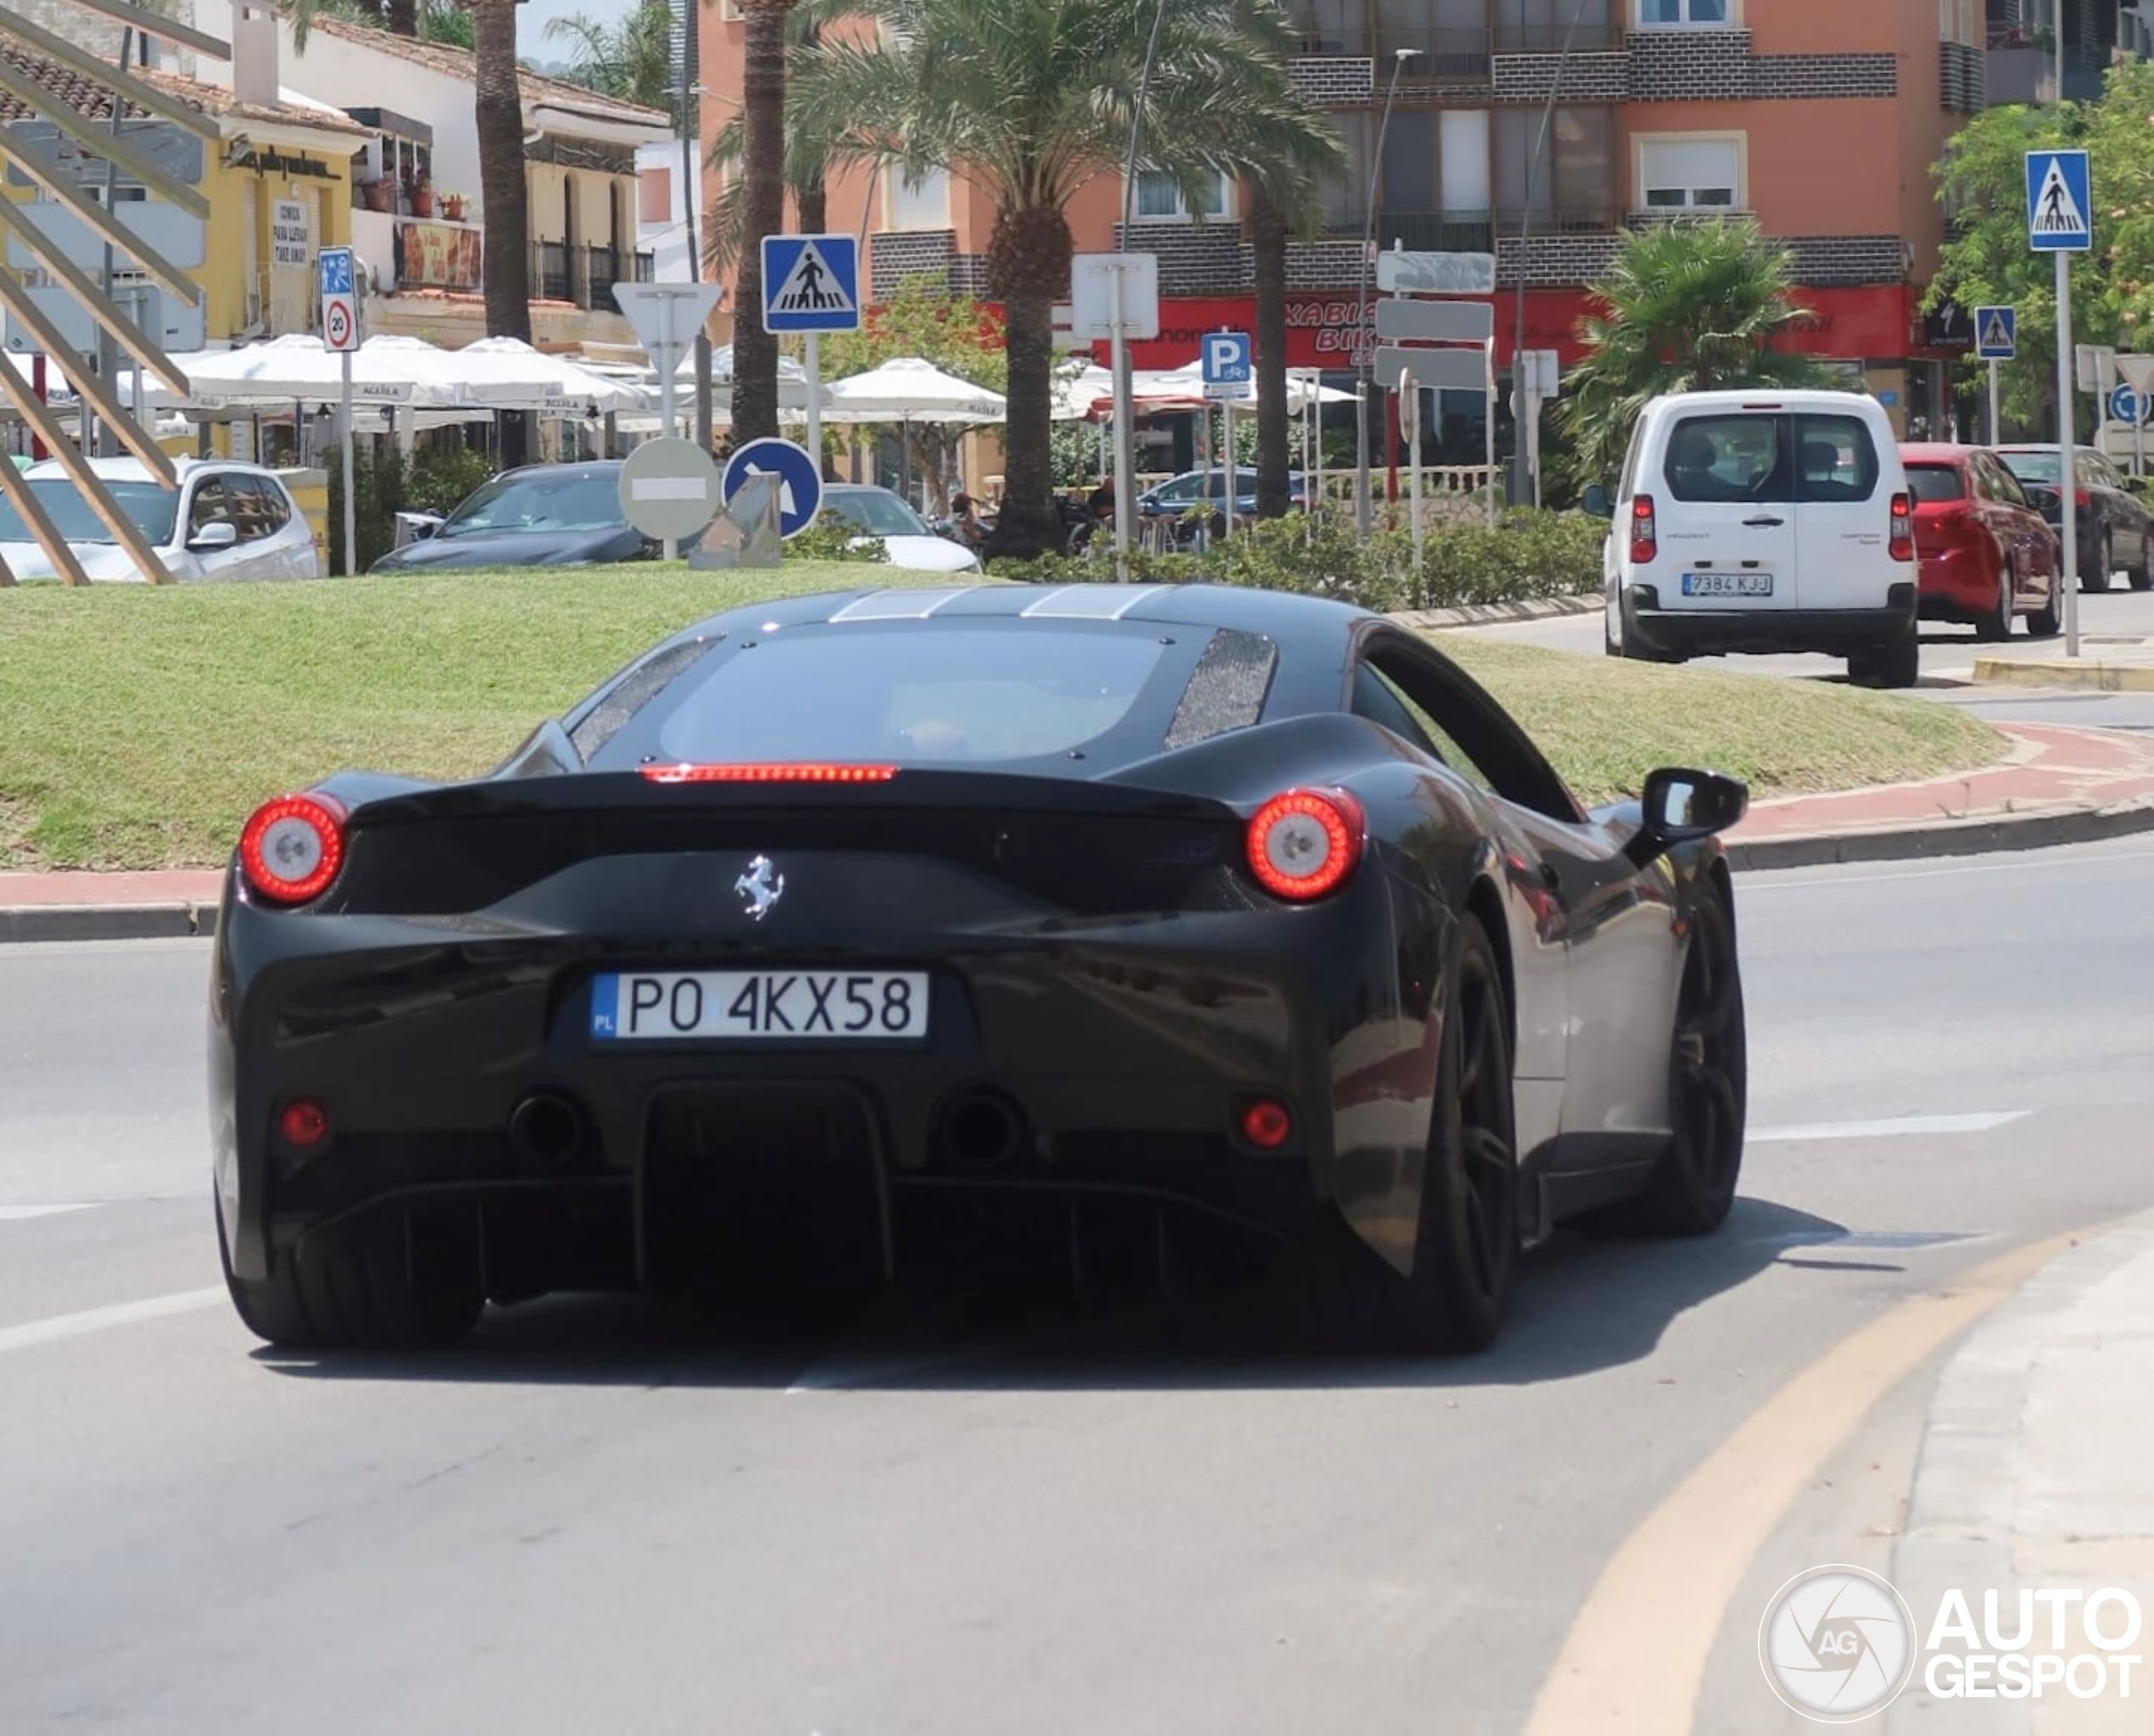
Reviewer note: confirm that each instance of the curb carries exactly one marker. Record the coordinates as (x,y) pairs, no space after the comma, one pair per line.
(2087,678)
(107,921)
(2040,831)
(1495,614)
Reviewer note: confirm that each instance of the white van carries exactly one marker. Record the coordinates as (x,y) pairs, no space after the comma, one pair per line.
(1765,521)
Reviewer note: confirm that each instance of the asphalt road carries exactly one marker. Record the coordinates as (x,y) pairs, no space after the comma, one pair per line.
(2118,619)
(576,1524)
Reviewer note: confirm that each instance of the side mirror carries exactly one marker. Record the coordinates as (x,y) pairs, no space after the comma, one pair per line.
(1595,502)
(1681,805)
(223,534)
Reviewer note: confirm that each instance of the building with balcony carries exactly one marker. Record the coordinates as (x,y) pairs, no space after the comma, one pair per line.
(2021,38)
(416,219)
(276,179)
(1821,121)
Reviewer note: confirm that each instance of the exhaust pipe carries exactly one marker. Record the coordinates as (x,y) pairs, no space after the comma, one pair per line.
(548,1129)
(983,1130)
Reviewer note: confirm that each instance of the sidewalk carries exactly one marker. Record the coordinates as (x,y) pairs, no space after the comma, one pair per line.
(2033,1472)
(2059,785)
(2106,665)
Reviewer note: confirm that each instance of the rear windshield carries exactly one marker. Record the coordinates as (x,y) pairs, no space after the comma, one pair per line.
(2034,466)
(983,695)
(1935,481)
(539,501)
(1739,459)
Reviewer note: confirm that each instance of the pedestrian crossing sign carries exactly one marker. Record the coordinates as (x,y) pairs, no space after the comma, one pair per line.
(810,283)
(1996,334)
(2059,203)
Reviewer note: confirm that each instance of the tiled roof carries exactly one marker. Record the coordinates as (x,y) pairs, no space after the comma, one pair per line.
(457,62)
(89,98)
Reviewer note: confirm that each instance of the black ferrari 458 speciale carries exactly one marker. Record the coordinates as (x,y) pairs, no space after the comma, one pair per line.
(1077,928)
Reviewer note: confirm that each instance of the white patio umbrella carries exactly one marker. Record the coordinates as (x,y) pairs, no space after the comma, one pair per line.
(907,389)
(582,388)
(297,368)
(483,378)
(1077,391)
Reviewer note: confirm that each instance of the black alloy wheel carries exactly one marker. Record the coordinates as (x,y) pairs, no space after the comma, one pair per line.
(1997,623)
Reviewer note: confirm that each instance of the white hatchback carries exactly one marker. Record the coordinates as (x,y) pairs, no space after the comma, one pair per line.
(224,521)
(1765,521)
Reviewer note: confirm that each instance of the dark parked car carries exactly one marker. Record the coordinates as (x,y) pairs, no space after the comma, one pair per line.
(2116,532)
(1098,929)
(1986,556)
(543,515)
(1192,487)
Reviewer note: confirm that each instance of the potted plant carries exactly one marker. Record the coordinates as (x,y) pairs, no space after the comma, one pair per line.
(420,191)
(380,194)
(452,206)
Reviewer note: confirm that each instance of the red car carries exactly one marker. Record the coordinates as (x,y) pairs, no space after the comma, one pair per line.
(1985,553)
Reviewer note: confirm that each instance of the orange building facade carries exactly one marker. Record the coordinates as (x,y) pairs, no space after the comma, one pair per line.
(1819,118)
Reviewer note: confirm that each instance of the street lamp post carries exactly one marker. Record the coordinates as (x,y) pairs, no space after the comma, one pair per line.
(1362,353)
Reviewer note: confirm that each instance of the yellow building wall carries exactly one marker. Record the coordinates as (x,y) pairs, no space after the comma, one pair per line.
(597,195)
(243,201)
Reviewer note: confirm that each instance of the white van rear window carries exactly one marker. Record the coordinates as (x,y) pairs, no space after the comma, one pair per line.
(1741,458)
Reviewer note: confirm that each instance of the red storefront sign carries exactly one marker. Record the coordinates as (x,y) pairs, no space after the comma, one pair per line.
(1843,324)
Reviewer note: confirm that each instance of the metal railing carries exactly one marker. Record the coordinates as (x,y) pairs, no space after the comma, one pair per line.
(1460,56)
(1476,231)
(550,275)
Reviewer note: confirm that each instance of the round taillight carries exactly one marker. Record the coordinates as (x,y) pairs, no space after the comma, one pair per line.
(1303,843)
(1266,1124)
(303,1122)
(292,847)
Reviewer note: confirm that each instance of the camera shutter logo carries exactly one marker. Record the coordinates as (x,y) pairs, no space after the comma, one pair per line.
(1837,1643)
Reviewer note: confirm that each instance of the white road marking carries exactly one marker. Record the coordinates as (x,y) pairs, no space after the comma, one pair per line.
(15,1214)
(1761,881)
(98,1320)
(1886,1127)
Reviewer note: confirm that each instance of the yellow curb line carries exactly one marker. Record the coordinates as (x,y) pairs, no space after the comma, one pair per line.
(1637,1650)
(2095,678)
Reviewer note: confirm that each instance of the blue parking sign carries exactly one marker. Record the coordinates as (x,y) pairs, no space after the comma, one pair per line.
(1226,359)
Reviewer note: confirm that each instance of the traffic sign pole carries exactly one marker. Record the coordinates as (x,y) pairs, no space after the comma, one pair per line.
(815,398)
(1996,418)
(1124,435)
(2066,433)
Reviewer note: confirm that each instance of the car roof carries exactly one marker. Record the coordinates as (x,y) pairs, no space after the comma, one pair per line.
(1766,398)
(1237,607)
(133,470)
(1935,452)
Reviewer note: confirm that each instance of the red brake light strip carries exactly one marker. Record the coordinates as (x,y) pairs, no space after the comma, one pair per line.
(791,772)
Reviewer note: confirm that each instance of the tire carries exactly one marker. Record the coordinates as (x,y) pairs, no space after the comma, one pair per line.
(2048,620)
(400,1281)
(1997,623)
(1467,1242)
(2105,566)
(2142,576)
(1899,664)
(1692,1186)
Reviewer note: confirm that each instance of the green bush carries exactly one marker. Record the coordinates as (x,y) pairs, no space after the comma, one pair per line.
(441,481)
(830,537)
(1530,554)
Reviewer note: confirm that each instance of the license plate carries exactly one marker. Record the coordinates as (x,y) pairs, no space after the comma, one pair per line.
(769,1006)
(1727,584)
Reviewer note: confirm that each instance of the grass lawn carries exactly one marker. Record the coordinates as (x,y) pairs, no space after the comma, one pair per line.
(1606,724)
(139,727)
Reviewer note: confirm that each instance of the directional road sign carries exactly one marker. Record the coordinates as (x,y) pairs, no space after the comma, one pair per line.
(1093,279)
(1400,273)
(800,482)
(2138,373)
(666,318)
(669,489)
(339,299)
(1435,370)
(2128,406)
(1435,321)
(2060,201)
(810,283)
(1996,334)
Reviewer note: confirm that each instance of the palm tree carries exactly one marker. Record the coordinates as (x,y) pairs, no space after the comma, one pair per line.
(1029,100)
(505,261)
(1691,306)
(632,60)
(725,221)
(762,212)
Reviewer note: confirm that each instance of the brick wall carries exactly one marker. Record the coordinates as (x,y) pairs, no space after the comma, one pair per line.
(1335,81)
(1848,260)
(896,255)
(1588,78)
(1554,261)
(1962,78)
(1690,66)
(1323,264)
(1782,76)
(1195,258)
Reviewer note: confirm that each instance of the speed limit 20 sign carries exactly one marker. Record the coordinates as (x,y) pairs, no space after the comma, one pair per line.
(339,299)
